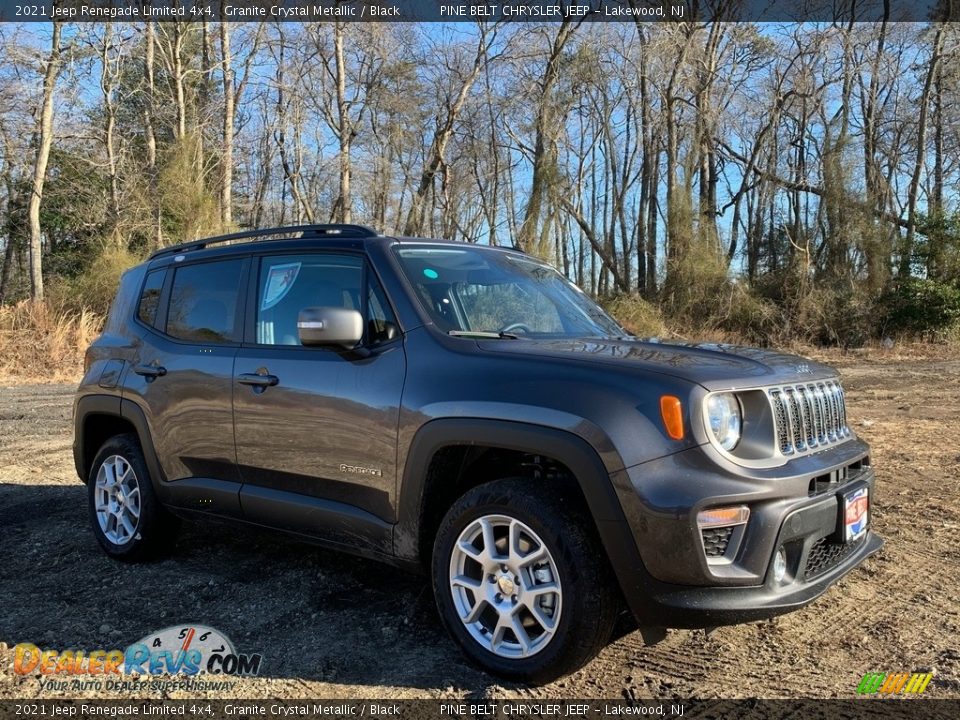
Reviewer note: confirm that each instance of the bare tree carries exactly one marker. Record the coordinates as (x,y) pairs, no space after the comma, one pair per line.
(546,124)
(906,255)
(446,120)
(51,71)
(345,128)
(232,94)
(149,127)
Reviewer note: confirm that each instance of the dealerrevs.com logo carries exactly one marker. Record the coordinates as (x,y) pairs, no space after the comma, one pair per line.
(184,651)
(894,683)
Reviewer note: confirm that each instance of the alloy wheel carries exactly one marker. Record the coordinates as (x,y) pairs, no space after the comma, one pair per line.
(505,586)
(117,500)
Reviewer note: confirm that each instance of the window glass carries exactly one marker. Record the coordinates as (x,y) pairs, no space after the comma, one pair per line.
(290,283)
(203,302)
(381,323)
(150,297)
(507,304)
(471,289)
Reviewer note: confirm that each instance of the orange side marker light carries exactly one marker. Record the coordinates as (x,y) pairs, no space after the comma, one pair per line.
(671,410)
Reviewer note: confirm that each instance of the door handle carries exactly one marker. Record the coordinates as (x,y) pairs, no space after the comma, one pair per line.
(257,380)
(150,372)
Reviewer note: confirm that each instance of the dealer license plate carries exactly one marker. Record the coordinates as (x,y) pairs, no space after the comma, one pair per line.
(856,514)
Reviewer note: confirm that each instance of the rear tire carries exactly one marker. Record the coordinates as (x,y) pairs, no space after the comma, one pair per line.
(127,518)
(543,602)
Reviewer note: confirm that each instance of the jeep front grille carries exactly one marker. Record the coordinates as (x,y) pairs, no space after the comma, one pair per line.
(809,416)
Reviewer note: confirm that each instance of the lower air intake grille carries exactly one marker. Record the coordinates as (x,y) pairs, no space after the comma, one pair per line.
(825,555)
(715,540)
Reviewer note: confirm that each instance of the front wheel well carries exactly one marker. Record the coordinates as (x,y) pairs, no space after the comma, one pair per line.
(97,429)
(456,469)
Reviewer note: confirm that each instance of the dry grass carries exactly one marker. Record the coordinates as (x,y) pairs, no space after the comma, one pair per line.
(45,342)
(40,342)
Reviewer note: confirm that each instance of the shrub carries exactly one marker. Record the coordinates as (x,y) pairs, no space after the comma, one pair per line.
(752,319)
(95,287)
(636,315)
(843,315)
(921,307)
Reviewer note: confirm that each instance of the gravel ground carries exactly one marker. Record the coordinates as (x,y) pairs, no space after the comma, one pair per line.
(334,626)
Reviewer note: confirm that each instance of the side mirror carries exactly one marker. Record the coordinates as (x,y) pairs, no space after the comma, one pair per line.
(330,326)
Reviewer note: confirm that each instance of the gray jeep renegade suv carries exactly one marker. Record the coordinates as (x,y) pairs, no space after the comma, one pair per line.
(469,411)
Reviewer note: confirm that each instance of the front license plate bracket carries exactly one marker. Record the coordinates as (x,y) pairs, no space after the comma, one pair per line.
(853,513)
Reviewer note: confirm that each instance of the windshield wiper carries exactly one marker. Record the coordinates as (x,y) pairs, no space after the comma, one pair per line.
(483,334)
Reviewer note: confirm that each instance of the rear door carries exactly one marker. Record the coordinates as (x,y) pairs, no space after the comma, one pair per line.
(316,428)
(182,379)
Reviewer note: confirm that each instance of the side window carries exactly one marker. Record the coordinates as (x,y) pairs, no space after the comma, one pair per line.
(203,302)
(289,283)
(381,323)
(150,297)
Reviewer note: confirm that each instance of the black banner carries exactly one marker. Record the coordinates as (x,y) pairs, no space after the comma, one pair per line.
(840,11)
(525,709)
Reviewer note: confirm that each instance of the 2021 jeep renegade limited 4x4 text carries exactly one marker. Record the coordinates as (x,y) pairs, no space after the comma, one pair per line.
(468,410)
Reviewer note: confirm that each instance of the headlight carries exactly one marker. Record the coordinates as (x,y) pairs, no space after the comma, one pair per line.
(725,419)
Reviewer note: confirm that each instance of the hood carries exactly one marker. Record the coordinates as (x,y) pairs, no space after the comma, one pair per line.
(715,366)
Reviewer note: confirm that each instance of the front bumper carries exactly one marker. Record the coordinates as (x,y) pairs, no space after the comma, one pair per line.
(667,577)
(681,606)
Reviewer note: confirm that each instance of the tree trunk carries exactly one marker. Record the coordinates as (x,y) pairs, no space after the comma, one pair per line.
(150,131)
(543,153)
(345,125)
(107,87)
(677,236)
(935,238)
(6,277)
(876,247)
(290,172)
(905,257)
(10,253)
(229,112)
(436,156)
(180,92)
(44,141)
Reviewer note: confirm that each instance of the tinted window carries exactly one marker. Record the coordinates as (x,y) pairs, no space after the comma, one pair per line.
(203,302)
(290,283)
(381,323)
(150,297)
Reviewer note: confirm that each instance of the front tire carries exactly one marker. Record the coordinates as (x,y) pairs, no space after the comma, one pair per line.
(521,581)
(127,518)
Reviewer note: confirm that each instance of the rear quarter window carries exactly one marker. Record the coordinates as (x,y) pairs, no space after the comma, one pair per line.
(150,298)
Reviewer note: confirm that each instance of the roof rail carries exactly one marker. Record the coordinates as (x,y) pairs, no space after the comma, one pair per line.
(338,230)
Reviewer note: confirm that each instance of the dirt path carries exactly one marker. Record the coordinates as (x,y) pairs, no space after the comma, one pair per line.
(331,626)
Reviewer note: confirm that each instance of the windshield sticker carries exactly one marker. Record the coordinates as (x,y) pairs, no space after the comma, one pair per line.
(279,281)
(431,273)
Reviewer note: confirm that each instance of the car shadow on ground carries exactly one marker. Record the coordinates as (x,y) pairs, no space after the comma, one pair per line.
(313,614)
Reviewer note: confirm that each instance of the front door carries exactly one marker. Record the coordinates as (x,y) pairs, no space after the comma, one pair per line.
(316,428)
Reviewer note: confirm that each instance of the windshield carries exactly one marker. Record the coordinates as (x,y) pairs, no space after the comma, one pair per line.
(471,291)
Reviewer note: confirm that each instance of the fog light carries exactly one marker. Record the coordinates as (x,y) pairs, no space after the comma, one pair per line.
(780,565)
